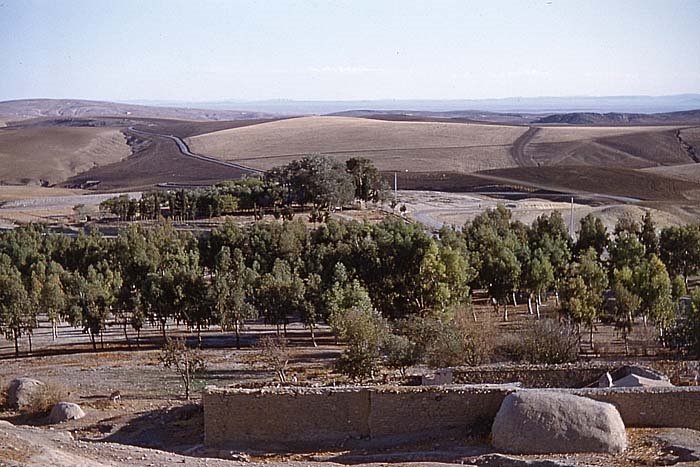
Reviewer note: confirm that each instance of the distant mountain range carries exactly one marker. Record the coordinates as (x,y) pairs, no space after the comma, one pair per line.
(528,105)
(69,108)
(684,110)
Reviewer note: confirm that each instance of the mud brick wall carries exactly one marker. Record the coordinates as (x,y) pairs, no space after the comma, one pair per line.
(276,419)
(312,418)
(653,407)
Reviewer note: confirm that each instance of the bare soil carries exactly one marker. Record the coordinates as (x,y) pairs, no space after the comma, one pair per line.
(53,154)
(152,425)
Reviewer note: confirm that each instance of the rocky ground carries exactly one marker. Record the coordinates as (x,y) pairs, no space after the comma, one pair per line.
(151,424)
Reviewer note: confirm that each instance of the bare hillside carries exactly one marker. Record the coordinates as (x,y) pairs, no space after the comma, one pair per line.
(53,154)
(419,146)
(629,147)
(34,108)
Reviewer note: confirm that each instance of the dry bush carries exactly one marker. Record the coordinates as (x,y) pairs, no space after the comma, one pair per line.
(45,398)
(542,341)
(4,387)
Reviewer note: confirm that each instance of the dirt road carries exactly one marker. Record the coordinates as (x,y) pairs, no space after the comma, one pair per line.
(185,150)
(518,149)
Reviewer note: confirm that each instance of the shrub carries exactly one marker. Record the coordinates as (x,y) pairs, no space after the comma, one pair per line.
(3,395)
(274,352)
(400,352)
(185,361)
(365,331)
(543,341)
(45,397)
(445,340)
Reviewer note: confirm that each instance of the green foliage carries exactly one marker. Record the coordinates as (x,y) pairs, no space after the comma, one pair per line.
(364,333)
(232,291)
(592,234)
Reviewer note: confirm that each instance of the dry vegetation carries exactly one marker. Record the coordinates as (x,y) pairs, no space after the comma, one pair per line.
(391,145)
(56,153)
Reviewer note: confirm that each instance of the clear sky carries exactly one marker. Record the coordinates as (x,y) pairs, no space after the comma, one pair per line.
(341,50)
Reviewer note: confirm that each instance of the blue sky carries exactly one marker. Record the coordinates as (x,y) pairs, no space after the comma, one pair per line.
(342,50)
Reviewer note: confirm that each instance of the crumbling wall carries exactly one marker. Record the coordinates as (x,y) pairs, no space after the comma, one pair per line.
(301,418)
(652,407)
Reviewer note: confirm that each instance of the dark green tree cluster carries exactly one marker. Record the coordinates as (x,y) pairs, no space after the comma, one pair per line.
(283,271)
(318,181)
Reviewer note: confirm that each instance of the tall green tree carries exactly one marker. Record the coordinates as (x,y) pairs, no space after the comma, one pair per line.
(592,234)
(13,300)
(232,290)
(582,295)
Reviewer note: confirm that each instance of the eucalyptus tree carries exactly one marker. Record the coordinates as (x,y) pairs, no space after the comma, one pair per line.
(232,292)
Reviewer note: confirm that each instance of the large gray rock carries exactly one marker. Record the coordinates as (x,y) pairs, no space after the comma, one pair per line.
(64,411)
(543,422)
(21,391)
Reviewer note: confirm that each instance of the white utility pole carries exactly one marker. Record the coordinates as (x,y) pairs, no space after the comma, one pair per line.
(571,221)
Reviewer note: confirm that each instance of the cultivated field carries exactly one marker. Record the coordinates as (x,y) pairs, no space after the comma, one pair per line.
(629,147)
(419,146)
(53,154)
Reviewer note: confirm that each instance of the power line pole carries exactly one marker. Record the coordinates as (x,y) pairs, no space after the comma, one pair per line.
(571,220)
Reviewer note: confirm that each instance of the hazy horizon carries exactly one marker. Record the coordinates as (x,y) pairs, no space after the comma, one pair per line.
(213,51)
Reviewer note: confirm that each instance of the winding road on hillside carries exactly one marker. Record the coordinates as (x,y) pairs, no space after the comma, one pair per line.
(185,151)
(517,151)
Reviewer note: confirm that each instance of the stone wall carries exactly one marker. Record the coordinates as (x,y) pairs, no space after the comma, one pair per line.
(571,375)
(302,418)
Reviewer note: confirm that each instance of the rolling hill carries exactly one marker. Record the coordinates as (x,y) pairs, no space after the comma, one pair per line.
(18,110)
(413,146)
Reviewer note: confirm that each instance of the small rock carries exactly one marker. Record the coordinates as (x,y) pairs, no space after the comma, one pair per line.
(64,411)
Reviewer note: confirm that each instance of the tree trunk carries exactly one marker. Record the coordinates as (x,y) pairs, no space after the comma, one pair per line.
(515,302)
(162,328)
(102,341)
(591,336)
(54,330)
(16,337)
(138,338)
(313,335)
(30,342)
(529,304)
(92,340)
(537,307)
(199,336)
(237,328)
(505,310)
(126,336)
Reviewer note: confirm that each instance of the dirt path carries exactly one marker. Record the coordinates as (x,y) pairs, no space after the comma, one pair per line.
(517,151)
(185,151)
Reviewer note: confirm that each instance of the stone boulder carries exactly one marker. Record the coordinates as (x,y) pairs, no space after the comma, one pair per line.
(64,411)
(21,391)
(545,422)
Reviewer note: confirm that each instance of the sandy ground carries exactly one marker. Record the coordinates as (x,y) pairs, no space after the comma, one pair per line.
(21,205)
(436,209)
(152,426)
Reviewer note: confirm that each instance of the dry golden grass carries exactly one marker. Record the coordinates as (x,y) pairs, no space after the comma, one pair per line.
(415,146)
(45,398)
(57,153)
(13,192)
